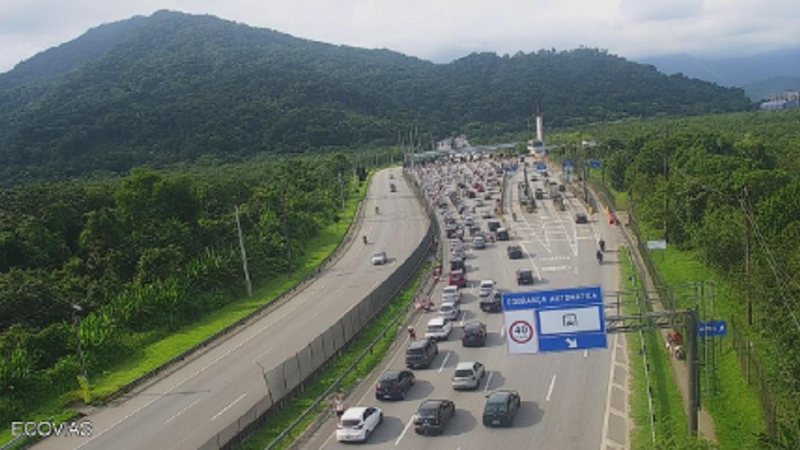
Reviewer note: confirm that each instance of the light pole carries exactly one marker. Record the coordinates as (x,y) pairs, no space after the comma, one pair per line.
(77,314)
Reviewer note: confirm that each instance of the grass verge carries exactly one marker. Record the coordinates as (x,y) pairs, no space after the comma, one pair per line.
(158,349)
(671,422)
(386,320)
(737,413)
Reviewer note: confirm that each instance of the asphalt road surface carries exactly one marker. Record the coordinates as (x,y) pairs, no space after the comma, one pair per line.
(189,406)
(563,395)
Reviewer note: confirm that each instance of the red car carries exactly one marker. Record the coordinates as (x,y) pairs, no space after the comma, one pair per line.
(457,278)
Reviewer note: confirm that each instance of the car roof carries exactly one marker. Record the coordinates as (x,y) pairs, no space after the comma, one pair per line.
(487,282)
(355,412)
(431,404)
(437,321)
(498,396)
(450,288)
(465,365)
(473,324)
(419,343)
(456,272)
(524,269)
(390,375)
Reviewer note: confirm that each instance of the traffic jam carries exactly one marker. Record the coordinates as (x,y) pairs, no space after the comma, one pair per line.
(452,374)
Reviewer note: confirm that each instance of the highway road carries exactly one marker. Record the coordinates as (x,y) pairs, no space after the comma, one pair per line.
(564,395)
(185,408)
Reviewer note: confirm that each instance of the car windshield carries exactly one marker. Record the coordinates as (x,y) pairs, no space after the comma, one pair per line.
(377,255)
(350,423)
(427,412)
(446,308)
(435,327)
(463,373)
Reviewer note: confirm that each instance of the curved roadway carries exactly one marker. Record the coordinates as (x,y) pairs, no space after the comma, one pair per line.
(187,407)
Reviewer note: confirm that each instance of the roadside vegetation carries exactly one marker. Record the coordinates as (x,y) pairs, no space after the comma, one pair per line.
(709,185)
(347,369)
(153,261)
(670,422)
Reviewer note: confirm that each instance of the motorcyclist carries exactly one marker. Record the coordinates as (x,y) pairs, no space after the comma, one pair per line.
(602,245)
(377,211)
(365,238)
(599,257)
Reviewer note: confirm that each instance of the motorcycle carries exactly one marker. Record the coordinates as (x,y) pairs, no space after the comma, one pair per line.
(365,239)
(599,257)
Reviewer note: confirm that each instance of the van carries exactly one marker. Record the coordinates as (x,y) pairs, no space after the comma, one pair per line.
(421,353)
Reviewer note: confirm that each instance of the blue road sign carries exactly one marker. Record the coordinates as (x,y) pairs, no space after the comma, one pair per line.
(712,328)
(595,163)
(561,320)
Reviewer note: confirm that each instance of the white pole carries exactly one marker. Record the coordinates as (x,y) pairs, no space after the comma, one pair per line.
(244,254)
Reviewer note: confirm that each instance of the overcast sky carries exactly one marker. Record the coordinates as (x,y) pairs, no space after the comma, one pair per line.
(441,30)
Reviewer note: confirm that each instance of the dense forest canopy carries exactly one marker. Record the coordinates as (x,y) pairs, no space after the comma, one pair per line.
(172,87)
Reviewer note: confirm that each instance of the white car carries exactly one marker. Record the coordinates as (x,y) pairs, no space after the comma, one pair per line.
(379,258)
(438,328)
(449,310)
(451,294)
(468,375)
(486,288)
(357,423)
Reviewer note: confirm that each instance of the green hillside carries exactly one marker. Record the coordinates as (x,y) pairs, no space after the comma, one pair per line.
(172,87)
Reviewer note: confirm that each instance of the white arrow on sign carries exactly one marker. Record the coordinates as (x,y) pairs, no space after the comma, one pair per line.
(571,343)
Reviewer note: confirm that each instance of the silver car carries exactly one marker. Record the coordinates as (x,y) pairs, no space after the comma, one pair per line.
(468,375)
(449,310)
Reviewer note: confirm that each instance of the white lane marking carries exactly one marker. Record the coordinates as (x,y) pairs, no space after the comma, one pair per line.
(488,381)
(228,407)
(182,411)
(503,331)
(405,430)
(608,392)
(444,361)
(550,389)
(585,353)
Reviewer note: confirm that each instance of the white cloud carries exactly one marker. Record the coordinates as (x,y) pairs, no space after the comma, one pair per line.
(433,28)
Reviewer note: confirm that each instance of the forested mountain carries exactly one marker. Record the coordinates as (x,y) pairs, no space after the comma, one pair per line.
(172,87)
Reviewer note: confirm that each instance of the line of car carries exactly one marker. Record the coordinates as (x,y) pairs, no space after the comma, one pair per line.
(432,415)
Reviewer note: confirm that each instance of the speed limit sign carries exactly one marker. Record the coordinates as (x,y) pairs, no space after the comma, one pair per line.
(520,331)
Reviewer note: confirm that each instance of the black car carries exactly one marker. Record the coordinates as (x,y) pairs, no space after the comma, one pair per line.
(432,415)
(392,188)
(502,234)
(525,276)
(457,264)
(394,384)
(474,334)
(581,218)
(514,251)
(493,225)
(500,408)
(492,303)
(421,353)
(539,193)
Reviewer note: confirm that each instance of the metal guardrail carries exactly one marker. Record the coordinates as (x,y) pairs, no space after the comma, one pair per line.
(283,380)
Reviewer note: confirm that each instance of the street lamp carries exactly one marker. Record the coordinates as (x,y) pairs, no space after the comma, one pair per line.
(77,315)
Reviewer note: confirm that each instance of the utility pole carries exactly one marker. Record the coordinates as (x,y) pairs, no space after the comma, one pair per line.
(341,189)
(692,365)
(244,254)
(748,236)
